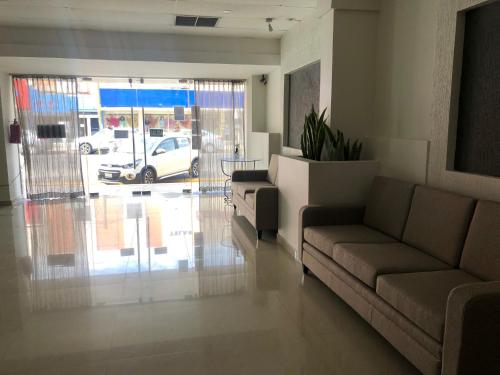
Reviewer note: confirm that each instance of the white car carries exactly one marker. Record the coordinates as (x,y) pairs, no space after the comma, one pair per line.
(166,156)
(99,141)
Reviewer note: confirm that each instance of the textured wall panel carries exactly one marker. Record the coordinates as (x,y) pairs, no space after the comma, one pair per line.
(446,108)
(303,93)
(478,128)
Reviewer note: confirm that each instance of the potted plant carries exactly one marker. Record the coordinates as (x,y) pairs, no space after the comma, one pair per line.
(316,132)
(313,137)
(329,173)
(341,150)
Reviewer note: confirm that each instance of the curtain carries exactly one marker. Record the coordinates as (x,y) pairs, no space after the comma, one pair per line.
(221,119)
(56,232)
(47,109)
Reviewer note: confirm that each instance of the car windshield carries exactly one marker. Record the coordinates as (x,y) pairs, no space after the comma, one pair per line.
(128,148)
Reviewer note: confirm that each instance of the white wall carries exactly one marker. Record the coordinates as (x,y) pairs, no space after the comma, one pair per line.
(405,66)
(406,45)
(413,100)
(126,46)
(380,77)
(146,69)
(344,41)
(306,182)
(353,80)
(4,177)
(258,109)
(10,179)
(261,145)
(275,101)
(309,41)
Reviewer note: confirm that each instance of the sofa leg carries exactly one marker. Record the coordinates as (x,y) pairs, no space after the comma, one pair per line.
(305,270)
(259,234)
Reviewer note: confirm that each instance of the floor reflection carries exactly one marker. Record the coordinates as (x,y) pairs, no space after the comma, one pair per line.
(75,248)
(167,284)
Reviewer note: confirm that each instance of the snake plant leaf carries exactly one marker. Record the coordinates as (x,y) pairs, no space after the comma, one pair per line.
(316,131)
(347,149)
(343,149)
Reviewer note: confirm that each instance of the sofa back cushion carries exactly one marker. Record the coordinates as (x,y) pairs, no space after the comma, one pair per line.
(388,204)
(272,171)
(438,223)
(481,255)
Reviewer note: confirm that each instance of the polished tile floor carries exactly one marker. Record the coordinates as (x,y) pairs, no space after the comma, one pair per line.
(167,285)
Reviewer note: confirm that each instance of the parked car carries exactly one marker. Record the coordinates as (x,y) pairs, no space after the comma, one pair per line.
(165,157)
(99,141)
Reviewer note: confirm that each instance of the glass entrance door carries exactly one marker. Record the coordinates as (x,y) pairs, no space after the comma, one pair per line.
(143,139)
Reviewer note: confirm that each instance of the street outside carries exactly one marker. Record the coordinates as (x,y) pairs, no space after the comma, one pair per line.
(92,162)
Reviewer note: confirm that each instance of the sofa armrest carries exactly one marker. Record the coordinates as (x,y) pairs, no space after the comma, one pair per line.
(472,330)
(321,215)
(266,208)
(253,175)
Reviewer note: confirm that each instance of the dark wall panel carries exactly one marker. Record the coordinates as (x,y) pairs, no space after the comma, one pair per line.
(478,130)
(303,92)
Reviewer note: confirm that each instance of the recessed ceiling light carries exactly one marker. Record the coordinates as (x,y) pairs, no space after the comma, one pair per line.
(227,11)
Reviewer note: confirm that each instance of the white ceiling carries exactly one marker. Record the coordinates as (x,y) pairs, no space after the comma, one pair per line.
(246,17)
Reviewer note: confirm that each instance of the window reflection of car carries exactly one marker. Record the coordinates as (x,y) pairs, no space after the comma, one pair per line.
(165,157)
(99,141)
(210,141)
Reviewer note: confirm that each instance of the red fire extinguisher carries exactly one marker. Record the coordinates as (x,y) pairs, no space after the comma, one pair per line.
(15,132)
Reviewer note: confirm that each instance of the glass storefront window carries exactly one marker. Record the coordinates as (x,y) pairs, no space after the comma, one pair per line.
(118,151)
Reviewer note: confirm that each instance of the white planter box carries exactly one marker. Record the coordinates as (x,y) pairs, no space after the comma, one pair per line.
(330,183)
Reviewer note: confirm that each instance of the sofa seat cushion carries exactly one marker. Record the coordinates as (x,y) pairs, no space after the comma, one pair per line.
(422,296)
(367,261)
(250,200)
(324,238)
(247,187)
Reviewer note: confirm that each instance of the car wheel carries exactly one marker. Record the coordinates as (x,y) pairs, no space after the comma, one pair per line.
(195,169)
(149,176)
(85,148)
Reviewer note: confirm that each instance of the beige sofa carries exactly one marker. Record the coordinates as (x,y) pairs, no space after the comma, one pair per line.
(255,196)
(421,265)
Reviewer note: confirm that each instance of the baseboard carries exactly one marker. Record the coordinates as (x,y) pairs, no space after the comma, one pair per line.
(286,245)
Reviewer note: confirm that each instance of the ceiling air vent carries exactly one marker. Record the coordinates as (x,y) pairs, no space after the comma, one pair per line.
(185,21)
(195,21)
(207,21)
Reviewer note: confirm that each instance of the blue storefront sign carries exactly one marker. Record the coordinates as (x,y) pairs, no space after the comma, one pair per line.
(165,98)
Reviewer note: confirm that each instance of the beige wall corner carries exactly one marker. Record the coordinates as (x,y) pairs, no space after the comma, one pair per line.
(10,178)
(405,159)
(302,182)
